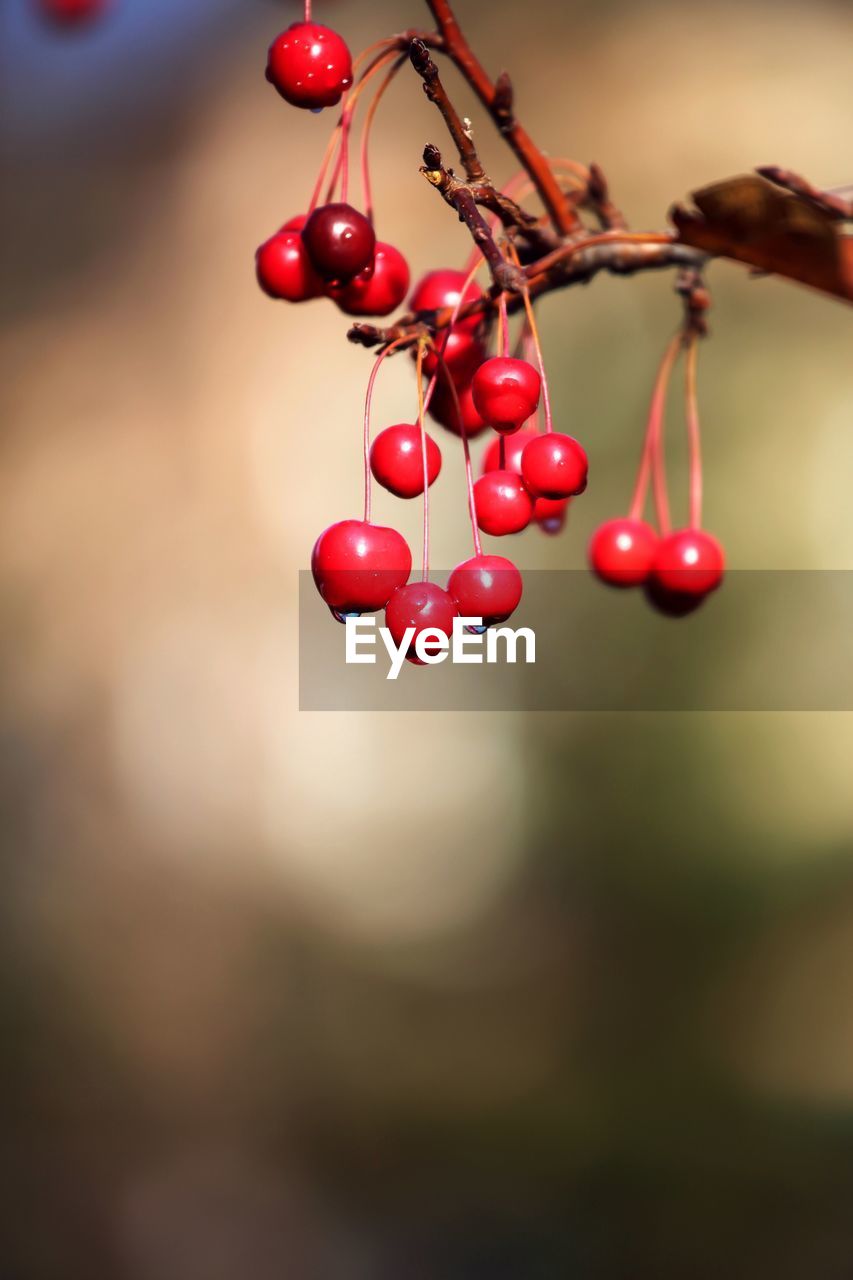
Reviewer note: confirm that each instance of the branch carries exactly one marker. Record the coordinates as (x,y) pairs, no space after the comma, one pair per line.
(436,92)
(460,197)
(575,263)
(498,101)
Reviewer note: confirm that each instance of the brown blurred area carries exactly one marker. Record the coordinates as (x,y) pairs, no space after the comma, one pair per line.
(353,997)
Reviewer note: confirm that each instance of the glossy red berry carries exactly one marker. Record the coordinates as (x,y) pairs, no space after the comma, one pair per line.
(487,587)
(506,392)
(340,241)
(358,566)
(622,551)
(462,353)
(513,447)
(396,460)
(442,409)
(377,291)
(310,65)
(689,562)
(502,503)
(550,513)
(424,606)
(554,466)
(73,13)
(284,269)
(439,289)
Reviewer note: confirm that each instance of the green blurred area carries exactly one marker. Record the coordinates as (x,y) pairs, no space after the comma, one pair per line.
(424,995)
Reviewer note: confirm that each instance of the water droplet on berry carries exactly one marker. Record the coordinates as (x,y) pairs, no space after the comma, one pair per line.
(317,111)
(476,631)
(341,616)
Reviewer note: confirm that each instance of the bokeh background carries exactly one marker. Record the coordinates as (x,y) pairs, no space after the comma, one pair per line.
(343,996)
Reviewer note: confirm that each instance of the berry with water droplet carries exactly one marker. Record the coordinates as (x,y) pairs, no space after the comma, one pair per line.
(424,606)
(487,587)
(357,566)
(310,65)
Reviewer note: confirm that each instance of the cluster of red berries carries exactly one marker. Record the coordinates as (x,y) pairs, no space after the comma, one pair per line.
(679,568)
(331,251)
(529,474)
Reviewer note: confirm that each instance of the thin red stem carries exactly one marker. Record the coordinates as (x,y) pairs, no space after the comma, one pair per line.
(652,456)
(365,135)
(449,329)
(368,400)
(422,427)
(504,326)
(537,347)
(307,10)
(466,450)
(693,432)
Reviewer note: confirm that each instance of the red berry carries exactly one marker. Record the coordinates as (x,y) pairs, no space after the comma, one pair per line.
(379,291)
(72,13)
(284,269)
(396,460)
(310,65)
(439,289)
(462,353)
(689,562)
(554,466)
(424,606)
(621,552)
(506,392)
(442,409)
(487,587)
(513,447)
(340,241)
(550,513)
(358,566)
(502,503)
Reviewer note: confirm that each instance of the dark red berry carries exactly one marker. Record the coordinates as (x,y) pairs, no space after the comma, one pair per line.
(424,606)
(502,503)
(487,587)
(554,466)
(442,409)
(396,460)
(513,447)
(462,353)
(689,562)
(340,241)
(550,513)
(379,291)
(506,392)
(621,552)
(310,65)
(73,13)
(284,269)
(358,566)
(439,289)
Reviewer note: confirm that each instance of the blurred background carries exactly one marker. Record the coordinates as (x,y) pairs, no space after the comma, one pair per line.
(362,997)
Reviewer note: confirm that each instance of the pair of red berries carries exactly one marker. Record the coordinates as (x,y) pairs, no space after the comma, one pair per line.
(360,567)
(484,587)
(547,468)
(333,252)
(310,66)
(681,567)
(548,513)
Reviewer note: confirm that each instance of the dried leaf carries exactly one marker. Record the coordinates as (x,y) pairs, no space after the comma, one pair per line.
(753,221)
